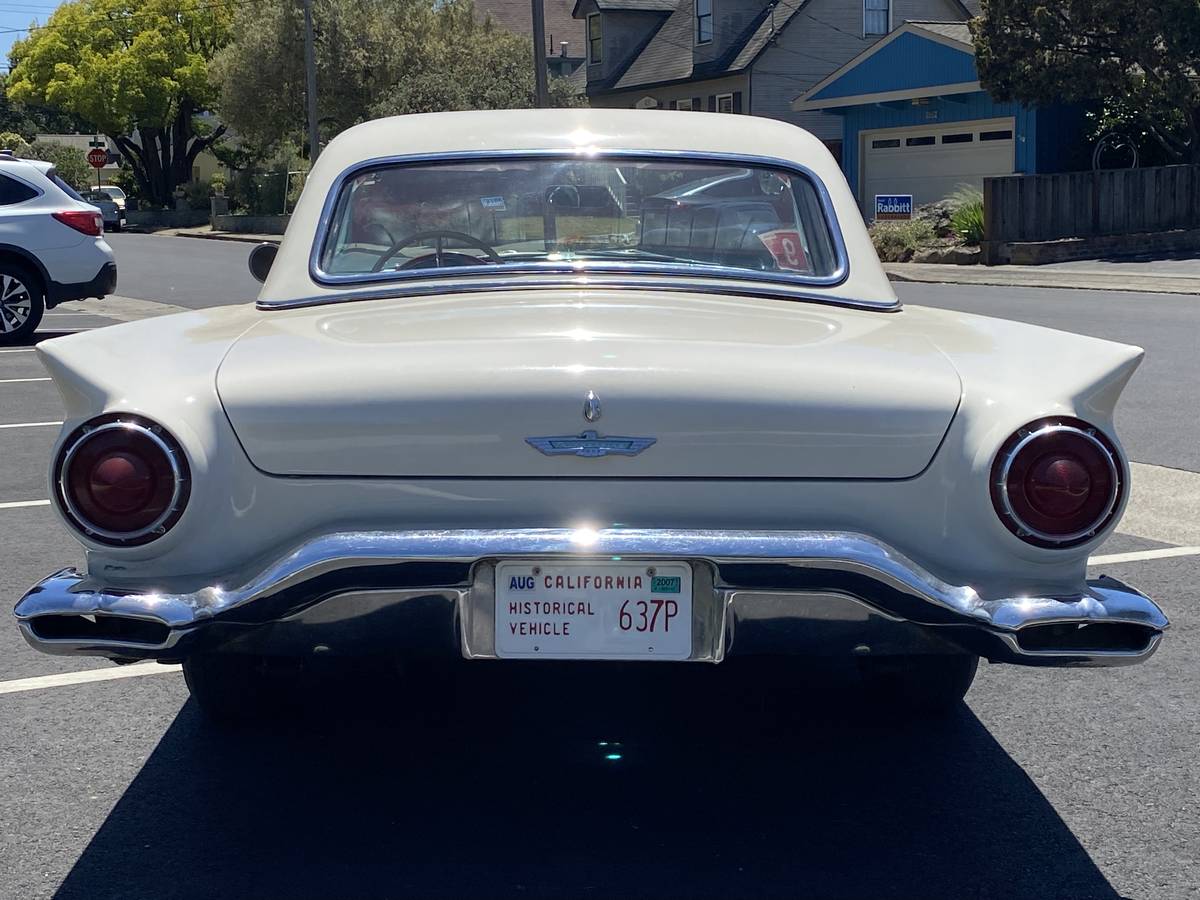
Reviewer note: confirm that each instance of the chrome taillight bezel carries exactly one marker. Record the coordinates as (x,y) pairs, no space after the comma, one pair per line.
(1022,440)
(144,428)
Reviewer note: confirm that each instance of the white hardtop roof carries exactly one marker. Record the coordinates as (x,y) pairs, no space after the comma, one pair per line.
(41,165)
(572,131)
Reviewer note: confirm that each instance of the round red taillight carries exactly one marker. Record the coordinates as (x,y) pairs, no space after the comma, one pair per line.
(122,480)
(1056,482)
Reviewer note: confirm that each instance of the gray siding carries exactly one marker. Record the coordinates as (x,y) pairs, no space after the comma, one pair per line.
(820,38)
(665,95)
(731,18)
(623,33)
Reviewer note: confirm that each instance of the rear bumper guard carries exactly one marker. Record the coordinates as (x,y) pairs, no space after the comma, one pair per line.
(756,592)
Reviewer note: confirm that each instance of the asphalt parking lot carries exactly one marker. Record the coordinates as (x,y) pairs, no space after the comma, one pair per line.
(1049,783)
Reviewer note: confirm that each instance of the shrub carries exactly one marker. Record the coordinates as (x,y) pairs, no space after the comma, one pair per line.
(898,241)
(218,182)
(10,140)
(259,189)
(70,162)
(967,217)
(196,193)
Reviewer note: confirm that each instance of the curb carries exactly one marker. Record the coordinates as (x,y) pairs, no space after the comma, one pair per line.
(1021,276)
(230,236)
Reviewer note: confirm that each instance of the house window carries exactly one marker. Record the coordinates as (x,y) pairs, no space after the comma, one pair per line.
(965,137)
(684,104)
(704,21)
(925,140)
(876,16)
(595,39)
(1005,135)
(725,103)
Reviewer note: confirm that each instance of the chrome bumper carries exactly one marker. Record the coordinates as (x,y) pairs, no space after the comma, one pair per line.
(755,592)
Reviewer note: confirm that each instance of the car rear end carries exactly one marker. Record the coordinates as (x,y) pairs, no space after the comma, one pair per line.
(58,234)
(571,446)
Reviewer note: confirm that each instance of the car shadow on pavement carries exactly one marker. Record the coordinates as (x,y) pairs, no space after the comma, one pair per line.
(667,782)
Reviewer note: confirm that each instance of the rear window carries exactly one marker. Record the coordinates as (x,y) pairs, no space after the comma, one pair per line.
(699,216)
(13,191)
(66,188)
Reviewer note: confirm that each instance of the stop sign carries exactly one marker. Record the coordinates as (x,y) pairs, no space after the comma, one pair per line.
(98,158)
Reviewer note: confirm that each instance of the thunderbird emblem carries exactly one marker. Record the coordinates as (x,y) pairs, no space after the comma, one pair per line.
(590,445)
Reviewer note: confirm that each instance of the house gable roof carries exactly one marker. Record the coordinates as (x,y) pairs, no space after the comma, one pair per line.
(667,55)
(919,59)
(515,16)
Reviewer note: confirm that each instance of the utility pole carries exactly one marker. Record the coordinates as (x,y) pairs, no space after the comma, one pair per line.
(541,91)
(310,77)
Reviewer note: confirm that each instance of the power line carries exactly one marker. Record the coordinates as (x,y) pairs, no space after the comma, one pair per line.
(857,37)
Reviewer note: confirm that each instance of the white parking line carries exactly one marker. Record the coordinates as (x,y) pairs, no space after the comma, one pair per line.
(29,424)
(1138,555)
(20,504)
(20,380)
(65,678)
(20,350)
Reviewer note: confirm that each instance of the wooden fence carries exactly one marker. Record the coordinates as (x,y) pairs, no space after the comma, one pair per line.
(1091,204)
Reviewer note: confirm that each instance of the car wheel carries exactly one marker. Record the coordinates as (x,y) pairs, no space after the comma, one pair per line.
(22,302)
(234,689)
(927,684)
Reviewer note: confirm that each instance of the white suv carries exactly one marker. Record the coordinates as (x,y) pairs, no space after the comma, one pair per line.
(52,246)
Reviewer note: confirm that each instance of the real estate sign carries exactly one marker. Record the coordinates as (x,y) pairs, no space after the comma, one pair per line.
(893,207)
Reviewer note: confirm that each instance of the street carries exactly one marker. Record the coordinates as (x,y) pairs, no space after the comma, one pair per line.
(1055,783)
(202,273)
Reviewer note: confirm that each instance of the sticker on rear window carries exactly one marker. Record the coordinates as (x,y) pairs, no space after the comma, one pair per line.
(786,248)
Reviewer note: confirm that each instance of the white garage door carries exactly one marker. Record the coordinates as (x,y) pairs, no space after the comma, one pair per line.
(932,162)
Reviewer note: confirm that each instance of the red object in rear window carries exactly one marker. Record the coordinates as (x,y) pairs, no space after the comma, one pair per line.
(87,222)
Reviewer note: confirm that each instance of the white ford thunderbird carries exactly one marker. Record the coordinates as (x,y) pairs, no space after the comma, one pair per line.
(585,385)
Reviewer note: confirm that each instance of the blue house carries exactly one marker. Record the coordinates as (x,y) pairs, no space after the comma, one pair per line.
(916,121)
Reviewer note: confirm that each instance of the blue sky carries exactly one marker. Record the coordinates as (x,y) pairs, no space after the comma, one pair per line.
(18,14)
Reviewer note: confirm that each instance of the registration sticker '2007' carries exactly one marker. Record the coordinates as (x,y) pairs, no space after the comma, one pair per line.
(606,609)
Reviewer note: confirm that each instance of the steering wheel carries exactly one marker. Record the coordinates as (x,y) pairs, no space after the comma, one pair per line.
(439,255)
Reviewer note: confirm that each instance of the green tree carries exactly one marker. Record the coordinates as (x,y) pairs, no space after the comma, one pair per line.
(138,70)
(27,121)
(374,57)
(70,162)
(363,47)
(1120,54)
(478,68)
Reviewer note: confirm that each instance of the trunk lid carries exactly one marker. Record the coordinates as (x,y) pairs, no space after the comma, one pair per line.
(726,387)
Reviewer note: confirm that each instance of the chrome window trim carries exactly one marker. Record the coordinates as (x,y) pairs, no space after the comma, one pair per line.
(794,286)
(571,281)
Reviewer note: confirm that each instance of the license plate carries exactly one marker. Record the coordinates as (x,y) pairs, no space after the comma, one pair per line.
(593,610)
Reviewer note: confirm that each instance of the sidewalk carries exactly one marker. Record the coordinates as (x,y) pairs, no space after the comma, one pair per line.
(1153,276)
(1159,276)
